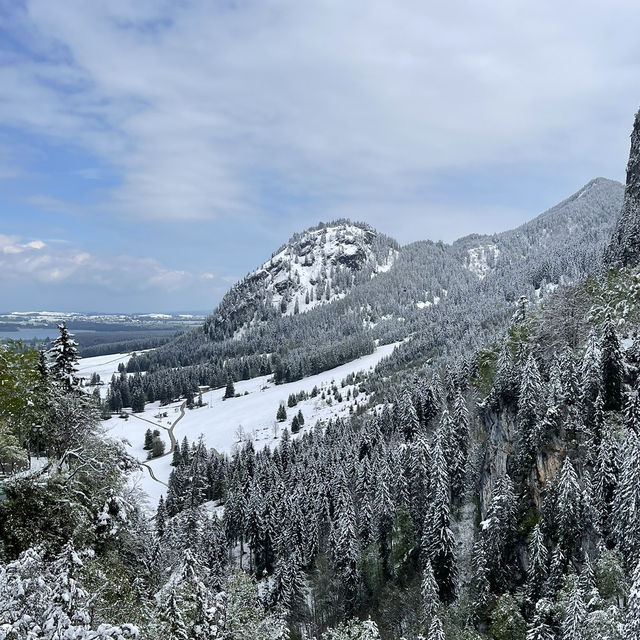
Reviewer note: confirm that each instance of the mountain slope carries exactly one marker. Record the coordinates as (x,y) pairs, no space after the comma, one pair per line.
(363,290)
(572,234)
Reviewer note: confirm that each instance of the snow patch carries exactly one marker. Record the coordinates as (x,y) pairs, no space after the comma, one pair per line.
(482,260)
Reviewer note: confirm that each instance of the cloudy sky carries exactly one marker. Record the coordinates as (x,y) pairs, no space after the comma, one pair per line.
(152,152)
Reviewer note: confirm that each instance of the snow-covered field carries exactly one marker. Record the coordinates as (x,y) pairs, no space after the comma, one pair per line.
(225,423)
(104,366)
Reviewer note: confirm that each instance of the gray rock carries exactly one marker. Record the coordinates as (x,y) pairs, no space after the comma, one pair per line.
(624,249)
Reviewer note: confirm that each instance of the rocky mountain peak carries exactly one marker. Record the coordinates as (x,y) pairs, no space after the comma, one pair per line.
(624,250)
(314,267)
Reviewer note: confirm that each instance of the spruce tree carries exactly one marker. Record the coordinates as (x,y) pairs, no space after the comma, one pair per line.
(529,409)
(575,615)
(612,363)
(63,356)
(632,626)
(176,460)
(568,506)
(499,530)
(538,563)
(435,630)
(230,390)
(429,591)
(539,627)
(438,543)
(626,521)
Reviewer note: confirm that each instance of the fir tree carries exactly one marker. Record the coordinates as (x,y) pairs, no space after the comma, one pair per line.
(627,500)
(172,615)
(435,630)
(137,401)
(161,517)
(507,622)
(539,628)
(529,405)
(499,530)
(176,460)
(568,506)
(632,410)
(480,585)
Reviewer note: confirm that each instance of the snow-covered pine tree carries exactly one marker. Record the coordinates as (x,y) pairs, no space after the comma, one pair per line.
(435,630)
(63,358)
(575,615)
(538,563)
(626,521)
(429,592)
(498,531)
(438,543)
(612,366)
(568,506)
(632,623)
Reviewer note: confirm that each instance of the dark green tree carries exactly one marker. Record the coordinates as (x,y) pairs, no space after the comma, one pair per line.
(230,390)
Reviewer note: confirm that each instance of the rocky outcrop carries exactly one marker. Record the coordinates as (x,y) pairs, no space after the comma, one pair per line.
(624,250)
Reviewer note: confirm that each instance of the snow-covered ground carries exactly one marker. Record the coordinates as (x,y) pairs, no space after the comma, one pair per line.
(226,423)
(104,366)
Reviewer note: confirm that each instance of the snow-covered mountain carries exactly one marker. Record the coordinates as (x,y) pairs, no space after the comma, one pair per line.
(561,240)
(315,267)
(334,292)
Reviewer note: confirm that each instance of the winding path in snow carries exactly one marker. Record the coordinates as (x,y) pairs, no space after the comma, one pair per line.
(172,439)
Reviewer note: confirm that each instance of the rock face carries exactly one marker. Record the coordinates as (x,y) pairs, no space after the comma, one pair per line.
(624,250)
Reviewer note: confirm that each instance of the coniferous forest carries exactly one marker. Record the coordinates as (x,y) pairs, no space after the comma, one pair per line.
(488,487)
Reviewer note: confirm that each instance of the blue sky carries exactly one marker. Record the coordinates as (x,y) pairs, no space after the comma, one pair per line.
(153,152)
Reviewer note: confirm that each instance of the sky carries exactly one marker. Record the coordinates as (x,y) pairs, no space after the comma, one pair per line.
(153,152)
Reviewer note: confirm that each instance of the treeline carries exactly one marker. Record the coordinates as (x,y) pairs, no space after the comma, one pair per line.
(139,343)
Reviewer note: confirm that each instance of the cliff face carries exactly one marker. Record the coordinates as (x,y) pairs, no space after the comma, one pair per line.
(624,249)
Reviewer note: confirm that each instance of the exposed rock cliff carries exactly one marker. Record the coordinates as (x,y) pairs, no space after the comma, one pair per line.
(624,250)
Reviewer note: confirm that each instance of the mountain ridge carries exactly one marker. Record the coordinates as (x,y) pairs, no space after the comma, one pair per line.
(428,294)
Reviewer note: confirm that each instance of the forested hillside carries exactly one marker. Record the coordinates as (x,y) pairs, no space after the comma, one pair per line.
(362,288)
(490,489)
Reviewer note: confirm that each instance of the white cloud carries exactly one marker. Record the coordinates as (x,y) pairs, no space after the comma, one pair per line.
(35,261)
(203,107)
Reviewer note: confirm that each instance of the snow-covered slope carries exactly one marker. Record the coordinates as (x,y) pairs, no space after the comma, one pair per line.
(320,266)
(252,414)
(315,267)
(553,243)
